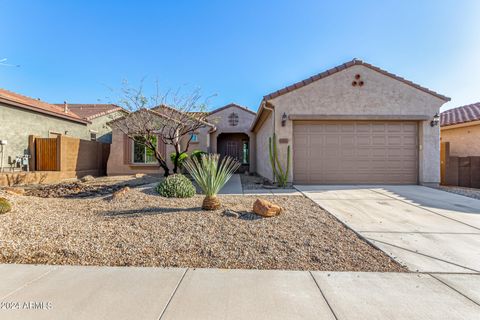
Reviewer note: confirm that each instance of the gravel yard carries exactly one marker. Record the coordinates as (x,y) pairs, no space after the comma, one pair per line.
(467,192)
(144,229)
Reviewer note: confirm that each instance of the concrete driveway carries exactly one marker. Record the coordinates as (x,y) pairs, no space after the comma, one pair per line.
(427,230)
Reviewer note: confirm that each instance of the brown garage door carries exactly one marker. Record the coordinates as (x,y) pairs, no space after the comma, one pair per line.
(328,152)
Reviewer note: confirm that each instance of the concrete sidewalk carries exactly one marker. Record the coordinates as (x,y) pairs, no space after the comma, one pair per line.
(233,186)
(71,292)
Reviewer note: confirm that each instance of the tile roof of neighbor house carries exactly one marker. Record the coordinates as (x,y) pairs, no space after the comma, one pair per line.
(459,115)
(91,111)
(344,66)
(37,105)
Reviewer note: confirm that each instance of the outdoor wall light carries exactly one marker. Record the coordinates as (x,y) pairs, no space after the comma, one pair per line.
(284,119)
(435,121)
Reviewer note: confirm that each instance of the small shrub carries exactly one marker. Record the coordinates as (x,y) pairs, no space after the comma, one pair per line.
(176,186)
(181,158)
(5,206)
(197,154)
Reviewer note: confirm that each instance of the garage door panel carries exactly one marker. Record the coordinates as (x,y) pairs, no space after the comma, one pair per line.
(355,152)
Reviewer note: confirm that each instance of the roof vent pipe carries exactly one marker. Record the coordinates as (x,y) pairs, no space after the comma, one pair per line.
(65,106)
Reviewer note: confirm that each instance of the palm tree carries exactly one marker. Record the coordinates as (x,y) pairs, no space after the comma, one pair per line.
(211,175)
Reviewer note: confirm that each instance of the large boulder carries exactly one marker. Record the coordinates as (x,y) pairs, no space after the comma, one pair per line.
(266,208)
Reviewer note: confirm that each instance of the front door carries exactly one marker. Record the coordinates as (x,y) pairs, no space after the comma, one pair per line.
(234,145)
(233,150)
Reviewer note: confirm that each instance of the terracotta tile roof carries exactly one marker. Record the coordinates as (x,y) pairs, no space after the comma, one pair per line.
(459,115)
(200,116)
(354,62)
(231,105)
(28,103)
(91,111)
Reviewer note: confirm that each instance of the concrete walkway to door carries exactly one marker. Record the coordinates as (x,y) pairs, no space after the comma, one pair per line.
(427,230)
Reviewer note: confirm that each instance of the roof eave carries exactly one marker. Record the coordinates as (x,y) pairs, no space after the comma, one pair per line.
(344,66)
(39,110)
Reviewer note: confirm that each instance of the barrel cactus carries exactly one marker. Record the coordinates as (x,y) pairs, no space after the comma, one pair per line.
(5,206)
(176,186)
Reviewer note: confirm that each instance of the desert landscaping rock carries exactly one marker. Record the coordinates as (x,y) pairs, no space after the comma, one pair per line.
(266,208)
(120,193)
(5,205)
(15,190)
(467,192)
(145,229)
(87,178)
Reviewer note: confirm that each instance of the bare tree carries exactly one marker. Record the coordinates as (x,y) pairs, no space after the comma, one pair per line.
(171,118)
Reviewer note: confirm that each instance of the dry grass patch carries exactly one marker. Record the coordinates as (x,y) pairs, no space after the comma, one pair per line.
(144,229)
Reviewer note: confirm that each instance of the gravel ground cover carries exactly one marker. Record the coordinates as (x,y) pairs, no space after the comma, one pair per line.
(144,229)
(251,182)
(98,187)
(468,192)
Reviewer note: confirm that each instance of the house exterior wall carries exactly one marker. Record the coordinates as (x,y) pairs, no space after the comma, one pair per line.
(101,128)
(17,124)
(262,153)
(118,166)
(203,140)
(464,139)
(245,120)
(380,95)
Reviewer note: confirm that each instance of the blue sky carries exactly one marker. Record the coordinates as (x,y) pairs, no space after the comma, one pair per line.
(237,50)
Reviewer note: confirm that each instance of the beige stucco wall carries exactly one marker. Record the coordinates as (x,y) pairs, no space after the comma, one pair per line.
(117,166)
(464,140)
(245,120)
(262,155)
(380,95)
(17,124)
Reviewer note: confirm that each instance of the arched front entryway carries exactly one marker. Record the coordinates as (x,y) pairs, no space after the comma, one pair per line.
(235,145)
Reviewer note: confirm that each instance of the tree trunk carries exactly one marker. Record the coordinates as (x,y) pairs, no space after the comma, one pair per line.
(163,165)
(211,203)
(175,162)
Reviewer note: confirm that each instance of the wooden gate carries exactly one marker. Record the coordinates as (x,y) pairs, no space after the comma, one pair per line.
(46,154)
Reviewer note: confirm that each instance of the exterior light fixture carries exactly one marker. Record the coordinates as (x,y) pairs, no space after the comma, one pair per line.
(435,121)
(284,119)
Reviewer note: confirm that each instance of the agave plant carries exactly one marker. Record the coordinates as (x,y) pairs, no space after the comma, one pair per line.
(211,175)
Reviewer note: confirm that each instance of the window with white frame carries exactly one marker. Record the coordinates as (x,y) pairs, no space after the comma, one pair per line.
(141,153)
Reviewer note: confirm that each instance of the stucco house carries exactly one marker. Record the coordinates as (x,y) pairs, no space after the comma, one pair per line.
(21,116)
(461,128)
(98,115)
(226,132)
(354,123)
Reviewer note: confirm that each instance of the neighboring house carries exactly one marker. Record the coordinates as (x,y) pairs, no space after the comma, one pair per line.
(461,128)
(21,116)
(226,132)
(352,124)
(98,115)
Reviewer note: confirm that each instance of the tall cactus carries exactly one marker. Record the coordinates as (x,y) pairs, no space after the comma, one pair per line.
(278,173)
